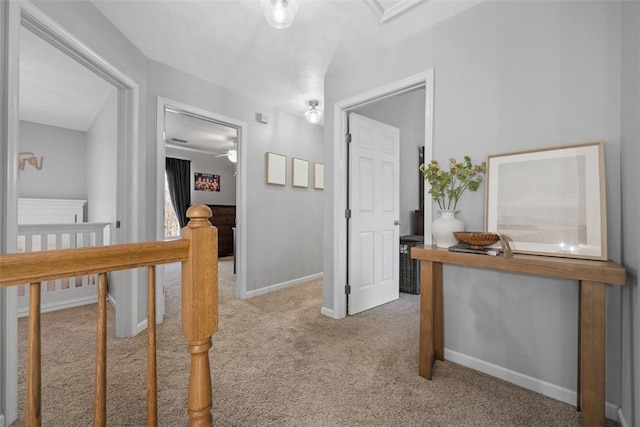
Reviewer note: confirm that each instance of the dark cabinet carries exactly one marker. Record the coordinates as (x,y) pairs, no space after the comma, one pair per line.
(224,218)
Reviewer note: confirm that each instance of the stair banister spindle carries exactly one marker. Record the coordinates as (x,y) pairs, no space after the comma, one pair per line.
(100,398)
(152,375)
(33,415)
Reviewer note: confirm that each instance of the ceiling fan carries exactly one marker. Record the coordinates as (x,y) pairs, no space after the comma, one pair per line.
(232,154)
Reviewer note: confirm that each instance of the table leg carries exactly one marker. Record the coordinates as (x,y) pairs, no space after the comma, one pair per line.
(592,353)
(430,321)
(438,312)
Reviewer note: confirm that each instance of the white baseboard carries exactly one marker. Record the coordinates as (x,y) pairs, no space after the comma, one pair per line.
(550,390)
(2,421)
(142,326)
(327,312)
(621,419)
(61,305)
(277,286)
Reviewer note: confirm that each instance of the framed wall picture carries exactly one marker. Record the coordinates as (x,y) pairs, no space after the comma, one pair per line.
(206,182)
(318,176)
(300,171)
(551,201)
(276,169)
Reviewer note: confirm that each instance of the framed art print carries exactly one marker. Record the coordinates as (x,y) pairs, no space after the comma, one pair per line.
(276,169)
(318,176)
(551,201)
(300,172)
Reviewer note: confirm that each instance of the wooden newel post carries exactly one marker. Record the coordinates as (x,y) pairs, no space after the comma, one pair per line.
(200,309)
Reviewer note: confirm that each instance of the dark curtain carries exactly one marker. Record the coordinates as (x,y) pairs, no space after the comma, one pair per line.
(178,180)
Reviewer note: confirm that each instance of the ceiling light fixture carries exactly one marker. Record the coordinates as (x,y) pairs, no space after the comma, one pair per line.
(313,115)
(280,13)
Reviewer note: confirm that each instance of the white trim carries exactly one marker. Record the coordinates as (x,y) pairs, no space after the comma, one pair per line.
(283,285)
(534,384)
(241,183)
(621,419)
(54,306)
(142,326)
(327,312)
(9,202)
(387,14)
(340,110)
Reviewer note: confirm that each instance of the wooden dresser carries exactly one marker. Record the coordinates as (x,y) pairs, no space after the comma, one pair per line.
(224,217)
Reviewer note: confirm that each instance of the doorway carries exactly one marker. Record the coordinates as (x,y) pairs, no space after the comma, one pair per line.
(233,133)
(16,16)
(342,110)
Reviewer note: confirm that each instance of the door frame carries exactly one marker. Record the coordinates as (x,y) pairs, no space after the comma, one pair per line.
(340,172)
(241,186)
(22,13)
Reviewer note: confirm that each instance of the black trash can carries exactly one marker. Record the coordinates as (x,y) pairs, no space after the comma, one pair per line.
(409,268)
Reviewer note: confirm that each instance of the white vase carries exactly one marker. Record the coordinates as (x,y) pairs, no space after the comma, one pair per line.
(442,228)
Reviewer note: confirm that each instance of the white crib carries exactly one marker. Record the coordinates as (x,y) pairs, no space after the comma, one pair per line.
(46,224)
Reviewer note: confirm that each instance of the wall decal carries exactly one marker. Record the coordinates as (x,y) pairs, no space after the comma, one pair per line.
(28,157)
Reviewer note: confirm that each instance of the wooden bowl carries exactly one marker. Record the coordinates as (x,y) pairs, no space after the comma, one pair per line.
(476,239)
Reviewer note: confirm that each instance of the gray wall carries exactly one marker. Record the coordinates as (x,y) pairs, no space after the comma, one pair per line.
(101,160)
(405,112)
(284,224)
(64,166)
(209,163)
(630,128)
(510,76)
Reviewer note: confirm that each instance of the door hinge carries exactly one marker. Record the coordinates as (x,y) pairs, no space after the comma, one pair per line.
(347,289)
(347,213)
(347,138)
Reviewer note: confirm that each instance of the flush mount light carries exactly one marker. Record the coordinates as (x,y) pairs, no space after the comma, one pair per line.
(313,115)
(280,13)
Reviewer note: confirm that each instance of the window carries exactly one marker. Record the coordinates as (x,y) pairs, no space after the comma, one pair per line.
(171,225)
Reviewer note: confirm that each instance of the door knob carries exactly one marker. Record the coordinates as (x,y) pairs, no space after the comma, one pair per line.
(397,222)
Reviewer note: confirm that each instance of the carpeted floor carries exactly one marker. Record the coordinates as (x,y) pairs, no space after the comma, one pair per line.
(276,361)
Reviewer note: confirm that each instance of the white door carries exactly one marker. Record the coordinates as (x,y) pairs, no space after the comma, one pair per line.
(374,186)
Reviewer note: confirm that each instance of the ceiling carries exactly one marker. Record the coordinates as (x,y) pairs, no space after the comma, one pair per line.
(189,132)
(56,90)
(229,43)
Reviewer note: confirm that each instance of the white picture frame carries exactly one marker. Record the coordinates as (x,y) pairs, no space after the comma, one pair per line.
(318,176)
(300,173)
(549,201)
(276,169)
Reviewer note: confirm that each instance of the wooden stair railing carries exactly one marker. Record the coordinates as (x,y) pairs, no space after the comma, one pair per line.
(198,252)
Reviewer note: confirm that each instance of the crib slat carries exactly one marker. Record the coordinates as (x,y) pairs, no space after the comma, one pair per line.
(152,379)
(33,415)
(100,399)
